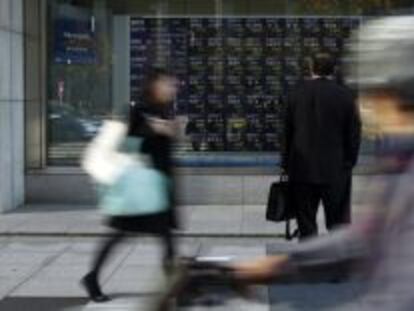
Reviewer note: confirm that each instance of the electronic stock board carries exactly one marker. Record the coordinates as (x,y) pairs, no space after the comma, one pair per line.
(235,72)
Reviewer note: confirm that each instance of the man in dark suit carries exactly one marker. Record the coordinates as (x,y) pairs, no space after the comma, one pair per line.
(322,138)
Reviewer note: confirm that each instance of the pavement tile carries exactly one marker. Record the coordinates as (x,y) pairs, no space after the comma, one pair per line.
(217,227)
(45,287)
(233,305)
(73,259)
(136,273)
(132,303)
(44,224)
(37,246)
(63,272)
(133,278)
(9,222)
(18,268)
(10,257)
(210,220)
(90,247)
(133,286)
(145,255)
(7,284)
(62,276)
(237,251)
(87,228)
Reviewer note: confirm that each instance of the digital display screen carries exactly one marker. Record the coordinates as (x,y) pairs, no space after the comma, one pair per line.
(235,73)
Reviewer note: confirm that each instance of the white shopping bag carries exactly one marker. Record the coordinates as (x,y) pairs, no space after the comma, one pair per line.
(102,159)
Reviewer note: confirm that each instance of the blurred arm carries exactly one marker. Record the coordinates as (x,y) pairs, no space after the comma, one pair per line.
(321,257)
(163,127)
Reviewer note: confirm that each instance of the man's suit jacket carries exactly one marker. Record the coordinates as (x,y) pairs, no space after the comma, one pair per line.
(322,132)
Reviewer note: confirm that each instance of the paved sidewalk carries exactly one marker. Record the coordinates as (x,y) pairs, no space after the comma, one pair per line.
(212,220)
(33,269)
(42,274)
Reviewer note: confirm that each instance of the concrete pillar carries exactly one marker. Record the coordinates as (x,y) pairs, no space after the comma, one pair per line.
(11,105)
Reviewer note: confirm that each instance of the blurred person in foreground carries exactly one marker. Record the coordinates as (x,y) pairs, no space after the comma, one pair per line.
(148,120)
(322,138)
(381,242)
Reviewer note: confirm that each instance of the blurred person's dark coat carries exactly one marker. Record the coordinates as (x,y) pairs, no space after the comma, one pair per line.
(322,138)
(159,148)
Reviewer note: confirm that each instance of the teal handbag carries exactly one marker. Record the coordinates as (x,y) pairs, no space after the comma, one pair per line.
(139,189)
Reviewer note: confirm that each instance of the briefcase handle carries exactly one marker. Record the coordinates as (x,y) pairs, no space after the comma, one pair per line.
(284,177)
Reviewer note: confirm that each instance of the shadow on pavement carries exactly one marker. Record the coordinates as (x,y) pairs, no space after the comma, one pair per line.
(41,303)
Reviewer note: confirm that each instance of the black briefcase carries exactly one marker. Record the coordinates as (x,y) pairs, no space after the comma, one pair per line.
(278,203)
(279,206)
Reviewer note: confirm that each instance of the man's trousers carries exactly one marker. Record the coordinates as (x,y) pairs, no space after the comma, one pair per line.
(335,197)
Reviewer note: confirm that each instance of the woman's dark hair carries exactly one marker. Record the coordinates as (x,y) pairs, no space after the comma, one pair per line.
(152,76)
(323,64)
(146,103)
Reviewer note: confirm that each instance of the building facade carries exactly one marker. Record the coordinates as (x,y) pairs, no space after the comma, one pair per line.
(66,65)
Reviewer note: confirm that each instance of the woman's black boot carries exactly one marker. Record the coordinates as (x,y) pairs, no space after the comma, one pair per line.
(91,285)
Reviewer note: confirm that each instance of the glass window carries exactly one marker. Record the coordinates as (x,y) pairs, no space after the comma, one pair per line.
(236,61)
(79,76)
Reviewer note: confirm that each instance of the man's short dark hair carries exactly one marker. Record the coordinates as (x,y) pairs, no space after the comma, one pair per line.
(323,64)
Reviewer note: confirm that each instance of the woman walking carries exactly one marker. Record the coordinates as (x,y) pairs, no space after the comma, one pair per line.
(148,122)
